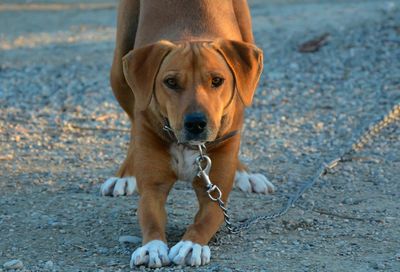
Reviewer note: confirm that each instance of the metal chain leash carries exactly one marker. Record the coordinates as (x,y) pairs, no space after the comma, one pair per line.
(372,131)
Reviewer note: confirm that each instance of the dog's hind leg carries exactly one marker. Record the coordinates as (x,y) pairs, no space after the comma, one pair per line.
(124,183)
(128,12)
(252,183)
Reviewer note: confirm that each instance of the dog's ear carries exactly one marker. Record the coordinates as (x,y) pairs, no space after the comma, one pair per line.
(246,63)
(141,67)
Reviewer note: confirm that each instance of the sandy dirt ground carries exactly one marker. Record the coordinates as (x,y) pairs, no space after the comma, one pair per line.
(62,134)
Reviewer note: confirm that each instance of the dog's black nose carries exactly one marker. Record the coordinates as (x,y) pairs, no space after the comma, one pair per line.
(195,123)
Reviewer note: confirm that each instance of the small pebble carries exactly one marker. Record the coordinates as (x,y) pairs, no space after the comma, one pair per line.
(130,239)
(13,264)
(49,265)
(309,221)
(378,266)
(102,250)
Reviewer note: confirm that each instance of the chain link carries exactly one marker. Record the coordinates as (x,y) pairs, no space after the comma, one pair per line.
(374,130)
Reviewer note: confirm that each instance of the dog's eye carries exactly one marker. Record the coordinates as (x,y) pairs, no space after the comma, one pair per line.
(171,83)
(216,82)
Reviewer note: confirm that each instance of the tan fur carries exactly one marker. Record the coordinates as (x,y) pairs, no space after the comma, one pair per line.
(187,39)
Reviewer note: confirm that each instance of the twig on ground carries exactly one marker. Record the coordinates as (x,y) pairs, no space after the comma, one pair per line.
(71,126)
(315,44)
(344,216)
(81,247)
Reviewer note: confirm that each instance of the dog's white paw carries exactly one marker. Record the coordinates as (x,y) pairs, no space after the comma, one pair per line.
(256,183)
(153,254)
(189,253)
(118,186)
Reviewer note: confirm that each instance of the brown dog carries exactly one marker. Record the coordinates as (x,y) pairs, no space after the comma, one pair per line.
(190,65)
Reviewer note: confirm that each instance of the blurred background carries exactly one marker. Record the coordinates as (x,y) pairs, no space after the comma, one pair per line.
(331,69)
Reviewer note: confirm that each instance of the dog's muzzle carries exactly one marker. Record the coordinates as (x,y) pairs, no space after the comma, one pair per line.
(195,126)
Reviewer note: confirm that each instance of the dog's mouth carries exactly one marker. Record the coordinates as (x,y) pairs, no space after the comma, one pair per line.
(190,136)
(184,137)
(195,139)
(181,137)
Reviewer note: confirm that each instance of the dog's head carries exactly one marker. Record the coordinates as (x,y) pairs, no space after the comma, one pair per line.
(193,84)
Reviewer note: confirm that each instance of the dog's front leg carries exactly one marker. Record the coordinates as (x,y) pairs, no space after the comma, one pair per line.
(192,249)
(155,179)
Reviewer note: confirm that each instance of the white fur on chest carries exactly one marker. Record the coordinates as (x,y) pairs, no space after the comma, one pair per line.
(183,162)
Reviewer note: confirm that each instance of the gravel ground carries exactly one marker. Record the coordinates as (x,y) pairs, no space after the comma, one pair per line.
(62,134)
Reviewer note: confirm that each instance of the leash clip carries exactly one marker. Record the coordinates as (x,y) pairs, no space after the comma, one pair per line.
(203,174)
